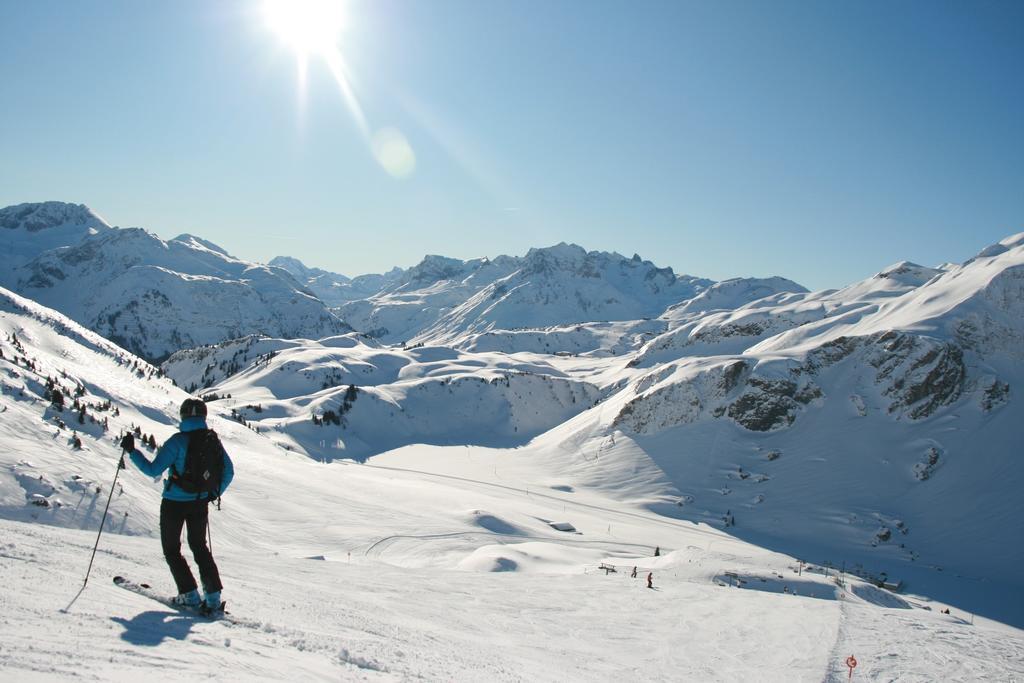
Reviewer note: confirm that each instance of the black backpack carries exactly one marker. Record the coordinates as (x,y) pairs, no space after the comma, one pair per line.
(204,465)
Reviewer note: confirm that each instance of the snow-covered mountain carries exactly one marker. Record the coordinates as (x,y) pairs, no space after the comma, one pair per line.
(863,423)
(27,230)
(566,284)
(527,303)
(335,289)
(413,299)
(443,299)
(901,397)
(154,297)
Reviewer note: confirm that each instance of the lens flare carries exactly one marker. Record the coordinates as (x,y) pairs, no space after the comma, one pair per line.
(393,152)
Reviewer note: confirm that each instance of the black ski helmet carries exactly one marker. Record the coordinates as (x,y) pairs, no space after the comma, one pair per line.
(192,407)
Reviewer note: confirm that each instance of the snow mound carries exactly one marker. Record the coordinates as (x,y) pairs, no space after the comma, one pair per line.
(534,557)
(494,524)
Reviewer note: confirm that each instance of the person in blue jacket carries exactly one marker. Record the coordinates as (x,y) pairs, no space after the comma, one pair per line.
(179,508)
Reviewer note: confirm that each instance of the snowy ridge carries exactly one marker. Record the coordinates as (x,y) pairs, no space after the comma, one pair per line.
(732,294)
(737,328)
(583,339)
(980,300)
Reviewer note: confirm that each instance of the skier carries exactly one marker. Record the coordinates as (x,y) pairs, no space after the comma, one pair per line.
(179,507)
(650,579)
(633,575)
(657,551)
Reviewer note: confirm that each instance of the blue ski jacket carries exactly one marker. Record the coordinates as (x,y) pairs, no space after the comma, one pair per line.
(173,453)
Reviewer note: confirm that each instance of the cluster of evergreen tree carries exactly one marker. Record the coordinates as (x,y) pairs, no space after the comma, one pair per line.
(19,348)
(338,418)
(147,440)
(240,419)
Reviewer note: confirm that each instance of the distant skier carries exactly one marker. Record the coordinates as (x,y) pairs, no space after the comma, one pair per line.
(657,551)
(200,471)
(633,575)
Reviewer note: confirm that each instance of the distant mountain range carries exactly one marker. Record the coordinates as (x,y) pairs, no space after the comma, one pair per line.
(442,300)
(155,297)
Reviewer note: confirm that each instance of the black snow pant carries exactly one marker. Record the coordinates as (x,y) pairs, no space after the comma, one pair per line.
(193,515)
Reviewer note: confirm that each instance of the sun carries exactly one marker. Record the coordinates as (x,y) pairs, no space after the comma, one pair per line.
(308,26)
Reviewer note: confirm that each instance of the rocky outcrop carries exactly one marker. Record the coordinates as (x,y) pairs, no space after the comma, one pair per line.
(915,374)
(994,393)
(770,404)
(920,374)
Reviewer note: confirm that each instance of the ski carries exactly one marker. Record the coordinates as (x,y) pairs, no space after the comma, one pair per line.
(145,590)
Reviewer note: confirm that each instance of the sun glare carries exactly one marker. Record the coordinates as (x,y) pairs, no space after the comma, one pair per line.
(312,28)
(308,26)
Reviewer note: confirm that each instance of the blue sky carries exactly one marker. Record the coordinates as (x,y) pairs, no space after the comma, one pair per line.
(821,141)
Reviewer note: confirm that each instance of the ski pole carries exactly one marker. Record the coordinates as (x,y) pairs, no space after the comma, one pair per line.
(120,466)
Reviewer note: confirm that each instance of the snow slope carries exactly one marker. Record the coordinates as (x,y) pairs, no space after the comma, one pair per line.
(425,562)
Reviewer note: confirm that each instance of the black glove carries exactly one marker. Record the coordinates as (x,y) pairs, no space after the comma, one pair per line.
(120,464)
(128,443)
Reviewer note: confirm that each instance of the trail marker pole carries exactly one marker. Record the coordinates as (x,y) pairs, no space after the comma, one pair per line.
(851,662)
